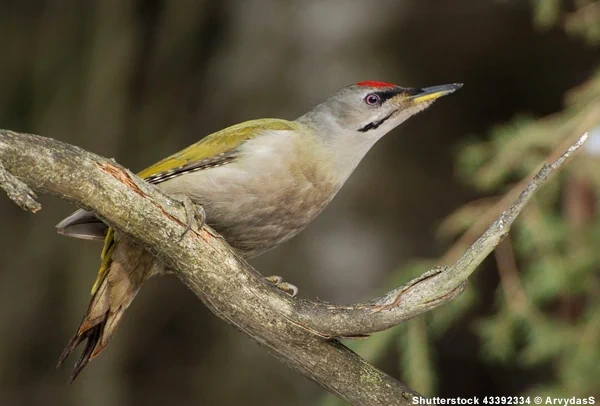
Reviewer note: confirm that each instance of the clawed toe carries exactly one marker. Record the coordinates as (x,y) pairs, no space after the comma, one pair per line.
(278,282)
(193,212)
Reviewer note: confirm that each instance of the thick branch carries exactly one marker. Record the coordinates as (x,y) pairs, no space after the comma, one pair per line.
(292,329)
(226,284)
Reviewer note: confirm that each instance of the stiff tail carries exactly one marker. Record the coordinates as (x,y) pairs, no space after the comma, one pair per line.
(93,337)
(125,266)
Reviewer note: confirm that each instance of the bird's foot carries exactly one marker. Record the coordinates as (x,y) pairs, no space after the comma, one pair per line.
(194,213)
(279,283)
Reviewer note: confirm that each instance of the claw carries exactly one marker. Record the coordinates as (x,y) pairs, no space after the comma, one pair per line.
(274,279)
(194,212)
(278,282)
(288,288)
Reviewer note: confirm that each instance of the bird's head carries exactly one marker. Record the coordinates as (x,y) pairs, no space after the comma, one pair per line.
(374,108)
(350,121)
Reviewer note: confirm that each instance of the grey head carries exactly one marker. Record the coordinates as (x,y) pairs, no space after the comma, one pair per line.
(354,118)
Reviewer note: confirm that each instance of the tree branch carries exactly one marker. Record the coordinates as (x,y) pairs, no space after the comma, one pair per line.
(299,332)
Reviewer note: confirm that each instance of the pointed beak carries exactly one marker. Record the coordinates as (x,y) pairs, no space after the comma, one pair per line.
(433,92)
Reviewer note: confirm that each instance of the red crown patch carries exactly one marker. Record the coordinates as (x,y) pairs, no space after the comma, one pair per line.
(374,83)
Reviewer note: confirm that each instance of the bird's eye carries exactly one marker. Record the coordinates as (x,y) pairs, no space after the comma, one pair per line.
(372,99)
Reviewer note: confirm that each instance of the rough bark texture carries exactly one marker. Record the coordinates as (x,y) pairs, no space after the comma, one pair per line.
(299,332)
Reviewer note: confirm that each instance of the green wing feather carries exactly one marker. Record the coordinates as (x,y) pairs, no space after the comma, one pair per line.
(205,150)
(212,145)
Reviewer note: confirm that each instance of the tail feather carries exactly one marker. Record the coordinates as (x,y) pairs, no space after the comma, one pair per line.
(124,269)
(93,337)
(91,330)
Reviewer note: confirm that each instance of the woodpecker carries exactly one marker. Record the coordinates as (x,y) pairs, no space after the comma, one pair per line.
(259,183)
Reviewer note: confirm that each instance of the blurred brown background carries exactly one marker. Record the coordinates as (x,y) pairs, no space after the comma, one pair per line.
(138,80)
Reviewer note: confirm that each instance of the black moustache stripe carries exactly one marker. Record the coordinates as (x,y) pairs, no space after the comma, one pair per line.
(375,124)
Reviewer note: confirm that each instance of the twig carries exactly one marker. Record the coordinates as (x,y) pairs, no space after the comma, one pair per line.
(18,191)
(432,288)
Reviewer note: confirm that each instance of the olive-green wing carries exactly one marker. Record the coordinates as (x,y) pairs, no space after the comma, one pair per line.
(213,150)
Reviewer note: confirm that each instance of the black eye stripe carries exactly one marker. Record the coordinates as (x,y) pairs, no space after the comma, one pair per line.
(387,94)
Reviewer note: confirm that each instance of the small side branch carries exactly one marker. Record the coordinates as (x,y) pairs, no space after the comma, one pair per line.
(429,290)
(18,191)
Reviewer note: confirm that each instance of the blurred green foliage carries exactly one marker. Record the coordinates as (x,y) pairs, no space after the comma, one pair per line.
(546,314)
